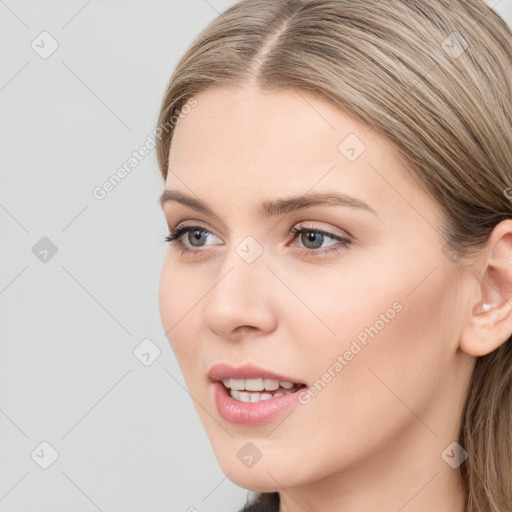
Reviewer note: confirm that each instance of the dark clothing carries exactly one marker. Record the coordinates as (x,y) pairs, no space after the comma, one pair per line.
(263,502)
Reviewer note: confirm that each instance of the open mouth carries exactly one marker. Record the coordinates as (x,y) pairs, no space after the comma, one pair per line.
(256,390)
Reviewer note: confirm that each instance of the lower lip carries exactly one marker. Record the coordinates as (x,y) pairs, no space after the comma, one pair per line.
(251,413)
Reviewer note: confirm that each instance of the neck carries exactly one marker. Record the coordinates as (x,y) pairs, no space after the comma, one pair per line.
(408,475)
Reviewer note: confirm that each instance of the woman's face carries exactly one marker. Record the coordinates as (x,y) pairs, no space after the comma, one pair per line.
(371,323)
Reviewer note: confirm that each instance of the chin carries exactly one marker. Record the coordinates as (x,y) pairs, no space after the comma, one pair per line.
(263,476)
(256,482)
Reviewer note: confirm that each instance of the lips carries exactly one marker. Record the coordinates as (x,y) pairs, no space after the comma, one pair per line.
(221,371)
(233,392)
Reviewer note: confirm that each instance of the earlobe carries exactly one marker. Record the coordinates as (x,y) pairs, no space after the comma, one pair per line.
(489,322)
(483,308)
(487,329)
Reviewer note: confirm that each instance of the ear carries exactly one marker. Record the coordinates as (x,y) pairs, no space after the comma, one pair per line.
(489,322)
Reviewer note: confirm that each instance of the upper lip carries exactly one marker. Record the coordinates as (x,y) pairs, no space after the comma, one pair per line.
(247,371)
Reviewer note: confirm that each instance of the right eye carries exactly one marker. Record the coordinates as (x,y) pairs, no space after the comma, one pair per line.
(194,234)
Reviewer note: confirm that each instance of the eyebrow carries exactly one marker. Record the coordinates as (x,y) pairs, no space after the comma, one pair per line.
(272,207)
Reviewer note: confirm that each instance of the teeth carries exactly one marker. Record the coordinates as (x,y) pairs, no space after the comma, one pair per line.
(236,384)
(244,396)
(256,384)
(271,384)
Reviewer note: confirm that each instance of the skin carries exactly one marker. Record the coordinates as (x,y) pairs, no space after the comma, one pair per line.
(372,439)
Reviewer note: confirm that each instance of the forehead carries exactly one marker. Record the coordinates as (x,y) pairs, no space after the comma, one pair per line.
(283,142)
(245,123)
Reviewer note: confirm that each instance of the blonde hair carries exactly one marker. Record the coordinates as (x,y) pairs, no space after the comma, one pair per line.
(435,78)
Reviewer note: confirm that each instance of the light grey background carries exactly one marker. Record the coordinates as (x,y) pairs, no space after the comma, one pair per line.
(127,435)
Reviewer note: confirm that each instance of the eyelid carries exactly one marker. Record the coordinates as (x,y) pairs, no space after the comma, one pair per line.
(192,224)
(328,231)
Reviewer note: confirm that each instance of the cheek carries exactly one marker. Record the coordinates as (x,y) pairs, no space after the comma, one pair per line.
(400,311)
(395,329)
(392,352)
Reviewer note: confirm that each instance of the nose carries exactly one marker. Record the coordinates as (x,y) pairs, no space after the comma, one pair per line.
(240,302)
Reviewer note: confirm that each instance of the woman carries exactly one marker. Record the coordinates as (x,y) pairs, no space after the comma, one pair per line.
(337,287)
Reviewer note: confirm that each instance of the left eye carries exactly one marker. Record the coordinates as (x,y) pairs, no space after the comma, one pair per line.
(316,237)
(196,235)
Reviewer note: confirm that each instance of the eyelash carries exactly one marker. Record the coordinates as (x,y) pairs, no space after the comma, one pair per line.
(296,230)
